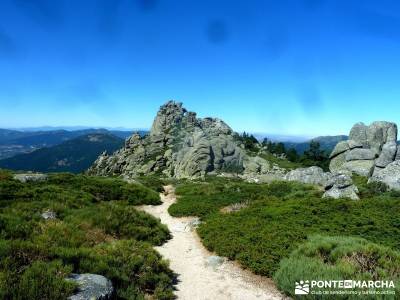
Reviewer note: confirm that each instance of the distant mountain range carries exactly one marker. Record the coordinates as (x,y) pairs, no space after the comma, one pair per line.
(276,138)
(13,142)
(62,150)
(74,155)
(327,143)
(74,128)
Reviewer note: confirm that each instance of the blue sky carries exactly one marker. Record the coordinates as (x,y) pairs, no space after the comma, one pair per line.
(302,67)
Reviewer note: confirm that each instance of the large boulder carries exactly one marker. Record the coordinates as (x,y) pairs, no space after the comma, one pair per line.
(336,185)
(180,145)
(337,162)
(312,175)
(344,146)
(256,165)
(390,175)
(340,186)
(368,150)
(387,155)
(360,167)
(358,133)
(360,154)
(397,156)
(91,287)
(379,133)
(347,192)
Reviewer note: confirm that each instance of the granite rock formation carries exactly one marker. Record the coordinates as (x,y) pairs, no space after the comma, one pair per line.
(180,145)
(368,150)
(336,185)
(390,175)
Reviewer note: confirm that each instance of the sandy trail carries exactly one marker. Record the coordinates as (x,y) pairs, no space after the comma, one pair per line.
(197,279)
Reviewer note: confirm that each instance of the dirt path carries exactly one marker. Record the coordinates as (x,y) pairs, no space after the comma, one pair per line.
(202,277)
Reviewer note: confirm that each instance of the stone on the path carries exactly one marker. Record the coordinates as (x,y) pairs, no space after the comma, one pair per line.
(193,224)
(215,261)
(91,287)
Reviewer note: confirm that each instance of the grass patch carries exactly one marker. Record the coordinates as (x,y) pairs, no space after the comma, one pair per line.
(153,182)
(279,217)
(204,198)
(97,230)
(338,258)
(281,162)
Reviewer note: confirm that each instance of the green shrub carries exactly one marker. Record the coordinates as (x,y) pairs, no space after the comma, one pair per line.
(122,221)
(156,183)
(97,230)
(5,175)
(281,162)
(279,216)
(131,266)
(45,281)
(338,258)
(107,189)
(137,194)
(204,198)
(207,197)
(372,189)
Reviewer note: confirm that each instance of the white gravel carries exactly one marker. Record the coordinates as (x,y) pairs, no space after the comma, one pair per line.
(197,279)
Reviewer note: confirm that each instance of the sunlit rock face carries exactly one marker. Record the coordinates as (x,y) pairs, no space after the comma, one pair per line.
(368,150)
(181,145)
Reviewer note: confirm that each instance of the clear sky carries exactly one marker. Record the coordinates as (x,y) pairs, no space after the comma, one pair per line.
(305,67)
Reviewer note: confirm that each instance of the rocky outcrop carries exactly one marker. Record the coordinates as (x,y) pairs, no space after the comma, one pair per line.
(390,175)
(336,185)
(181,145)
(368,150)
(312,175)
(340,186)
(91,287)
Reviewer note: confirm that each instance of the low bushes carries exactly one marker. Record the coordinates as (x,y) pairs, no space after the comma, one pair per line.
(153,182)
(338,258)
(206,197)
(106,189)
(279,217)
(97,230)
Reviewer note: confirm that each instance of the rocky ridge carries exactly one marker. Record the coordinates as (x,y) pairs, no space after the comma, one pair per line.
(180,145)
